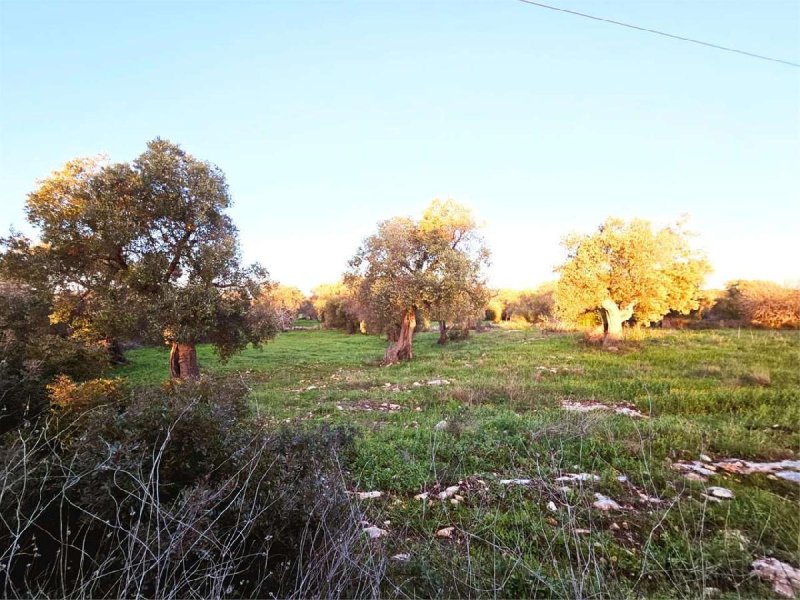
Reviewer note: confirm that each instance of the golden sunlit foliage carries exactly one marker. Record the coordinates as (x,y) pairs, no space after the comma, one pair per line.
(284,300)
(629,270)
(762,304)
(336,306)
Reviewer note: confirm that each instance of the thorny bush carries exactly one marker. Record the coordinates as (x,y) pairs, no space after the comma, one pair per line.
(176,492)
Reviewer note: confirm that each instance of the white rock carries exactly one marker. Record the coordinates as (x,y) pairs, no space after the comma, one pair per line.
(402,557)
(438,382)
(515,481)
(784,577)
(705,458)
(445,532)
(720,492)
(441,426)
(551,506)
(605,503)
(448,492)
(422,496)
(789,475)
(578,477)
(368,495)
(375,532)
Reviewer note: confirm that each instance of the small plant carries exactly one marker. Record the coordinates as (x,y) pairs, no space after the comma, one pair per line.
(758,377)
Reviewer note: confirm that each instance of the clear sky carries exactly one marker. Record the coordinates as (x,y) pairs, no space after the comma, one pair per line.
(329,116)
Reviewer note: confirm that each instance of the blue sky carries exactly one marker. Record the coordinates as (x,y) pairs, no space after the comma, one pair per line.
(329,116)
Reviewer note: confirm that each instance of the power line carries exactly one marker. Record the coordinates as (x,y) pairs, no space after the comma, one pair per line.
(669,35)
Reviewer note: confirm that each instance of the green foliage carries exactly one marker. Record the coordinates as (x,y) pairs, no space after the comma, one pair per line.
(434,265)
(141,250)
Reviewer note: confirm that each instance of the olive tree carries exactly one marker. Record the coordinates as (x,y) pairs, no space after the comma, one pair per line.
(629,270)
(144,248)
(433,266)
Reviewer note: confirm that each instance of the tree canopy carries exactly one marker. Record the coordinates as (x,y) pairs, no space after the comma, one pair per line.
(144,248)
(434,265)
(629,270)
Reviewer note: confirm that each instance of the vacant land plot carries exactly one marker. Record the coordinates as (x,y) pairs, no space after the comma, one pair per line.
(520,464)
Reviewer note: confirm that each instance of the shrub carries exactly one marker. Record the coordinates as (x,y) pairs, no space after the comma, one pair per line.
(176,492)
(760,304)
(32,353)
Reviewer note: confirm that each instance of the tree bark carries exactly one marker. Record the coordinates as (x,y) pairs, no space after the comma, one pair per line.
(400,349)
(115,354)
(613,317)
(442,332)
(183,361)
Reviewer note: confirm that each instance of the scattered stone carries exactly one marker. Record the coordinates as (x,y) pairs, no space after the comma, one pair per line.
(583,531)
(438,382)
(649,499)
(441,426)
(706,458)
(445,532)
(706,470)
(605,503)
(622,478)
(515,481)
(711,592)
(375,532)
(551,506)
(578,477)
(614,527)
(402,557)
(448,492)
(785,469)
(785,579)
(422,496)
(621,409)
(720,492)
(367,495)
(366,405)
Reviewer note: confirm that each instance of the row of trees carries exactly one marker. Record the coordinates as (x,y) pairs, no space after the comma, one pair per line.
(145,250)
(624,271)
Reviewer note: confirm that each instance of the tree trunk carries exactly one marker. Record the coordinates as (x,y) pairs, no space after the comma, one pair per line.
(613,317)
(400,349)
(115,354)
(442,332)
(183,361)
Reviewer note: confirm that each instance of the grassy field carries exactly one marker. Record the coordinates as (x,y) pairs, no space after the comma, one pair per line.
(474,413)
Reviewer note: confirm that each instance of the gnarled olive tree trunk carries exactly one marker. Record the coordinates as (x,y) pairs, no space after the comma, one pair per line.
(400,347)
(442,332)
(613,317)
(183,361)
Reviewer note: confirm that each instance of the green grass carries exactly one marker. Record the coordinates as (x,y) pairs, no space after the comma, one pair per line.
(722,393)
